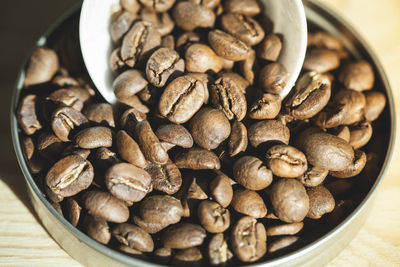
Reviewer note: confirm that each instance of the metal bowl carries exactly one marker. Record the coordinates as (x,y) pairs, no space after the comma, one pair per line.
(316,251)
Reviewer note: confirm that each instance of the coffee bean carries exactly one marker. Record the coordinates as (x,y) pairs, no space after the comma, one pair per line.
(246,7)
(282,243)
(161,209)
(209,128)
(161,21)
(249,239)
(183,235)
(375,103)
(42,65)
(166,178)
(243,28)
(186,39)
(354,168)
(270,48)
(267,106)
(201,58)
(313,176)
(321,202)
(100,113)
(285,229)
(64,120)
(324,40)
(238,140)
(218,251)
(312,93)
(227,46)
(97,229)
(195,190)
(150,228)
(358,76)
(360,134)
(268,130)
(130,119)
(73,97)
(70,176)
(189,16)
(249,202)
(227,94)
(106,158)
(115,61)
(134,237)
(132,6)
(321,60)
(247,66)
(213,217)
(163,255)
(105,206)
(285,192)
(159,6)
(128,182)
(221,189)
(182,98)
(188,255)
(163,64)
(197,159)
(129,150)
(27,115)
(249,172)
(273,77)
(211,4)
(132,251)
(49,146)
(140,40)
(94,137)
(286,161)
(175,134)
(129,83)
(121,25)
(73,211)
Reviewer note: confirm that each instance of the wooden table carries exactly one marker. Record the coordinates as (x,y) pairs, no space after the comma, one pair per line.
(24,242)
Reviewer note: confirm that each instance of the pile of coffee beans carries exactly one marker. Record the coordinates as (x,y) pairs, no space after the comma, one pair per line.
(201,160)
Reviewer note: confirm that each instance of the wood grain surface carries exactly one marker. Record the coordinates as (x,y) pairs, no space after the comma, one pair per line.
(24,242)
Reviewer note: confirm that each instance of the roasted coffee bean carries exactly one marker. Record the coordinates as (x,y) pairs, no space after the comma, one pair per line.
(209,128)
(343,132)
(268,130)
(189,16)
(312,93)
(27,115)
(321,60)
(106,158)
(360,134)
(221,189)
(34,162)
(73,211)
(133,237)
(132,251)
(159,6)
(70,176)
(42,66)
(101,112)
(166,178)
(273,77)
(49,146)
(324,40)
(358,76)
(74,97)
(355,168)
(105,206)
(121,25)
(282,243)
(94,137)
(227,46)
(270,48)
(201,58)
(243,28)
(227,94)
(327,151)
(132,6)
(249,239)
(150,228)
(161,209)
(97,229)
(129,150)
(238,140)
(139,41)
(267,106)
(149,143)
(249,172)
(129,83)
(186,256)
(181,99)
(249,202)
(195,190)
(128,182)
(115,62)
(64,120)
(246,7)
(321,202)
(313,176)
(285,229)
(162,64)
(161,21)
(183,235)
(218,251)
(286,161)
(163,255)
(247,66)
(197,159)
(283,194)
(213,217)
(375,103)
(175,134)
(130,118)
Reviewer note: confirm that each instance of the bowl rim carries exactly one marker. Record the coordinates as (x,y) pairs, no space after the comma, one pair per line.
(123,258)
